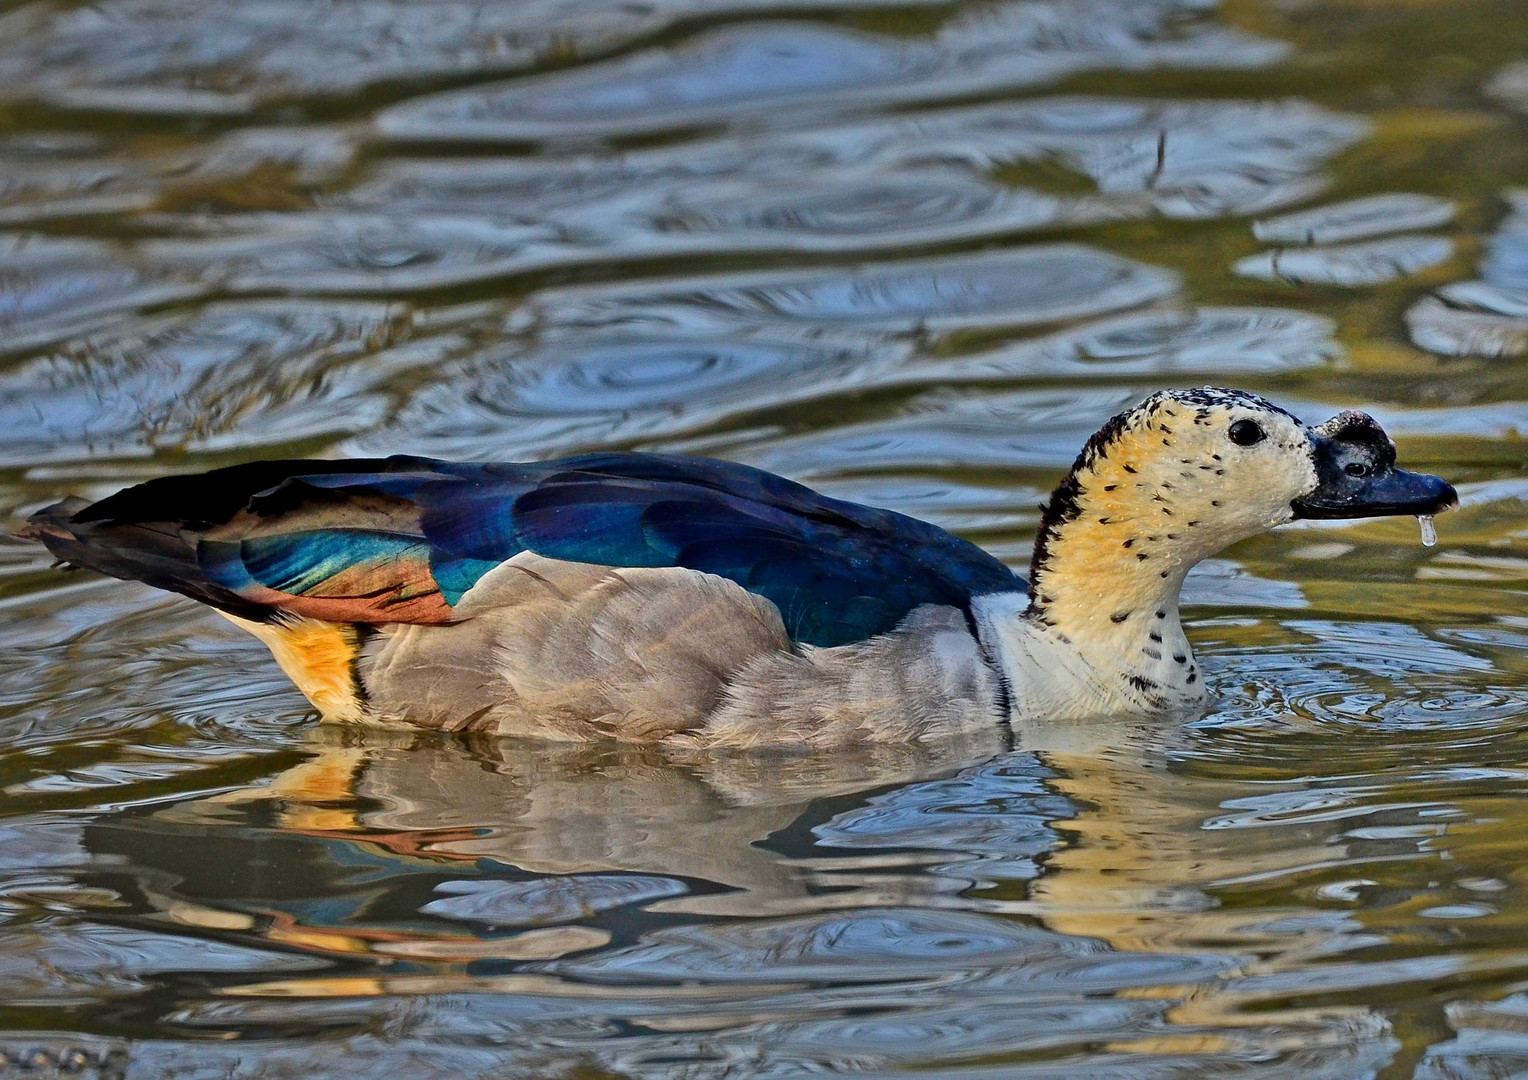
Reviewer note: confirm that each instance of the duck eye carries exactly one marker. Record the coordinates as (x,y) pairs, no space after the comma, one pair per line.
(1246,433)
(1355,468)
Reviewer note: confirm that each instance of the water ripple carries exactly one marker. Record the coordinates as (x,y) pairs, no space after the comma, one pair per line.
(1491,1039)
(998,814)
(755,67)
(846,948)
(1372,262)
(1488,317)
(178,57)
(227,374)
(557,399)
(1028,285)
(53,289)
(956,171)
(1356,219)
(336,253)
(54,961)
(1381,676)
(545,900)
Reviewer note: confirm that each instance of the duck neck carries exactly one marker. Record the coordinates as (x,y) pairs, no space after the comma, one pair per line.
(1107,587)
(1100,630)
(1092,648)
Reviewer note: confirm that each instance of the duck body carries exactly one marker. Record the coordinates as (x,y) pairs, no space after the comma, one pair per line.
(649,598)
(630,596)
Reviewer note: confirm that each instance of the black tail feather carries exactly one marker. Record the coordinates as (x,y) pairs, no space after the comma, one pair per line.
(155,553)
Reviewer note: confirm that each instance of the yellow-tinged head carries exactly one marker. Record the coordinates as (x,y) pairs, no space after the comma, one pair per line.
(1188,472)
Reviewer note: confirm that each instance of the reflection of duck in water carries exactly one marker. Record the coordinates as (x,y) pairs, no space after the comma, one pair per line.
(473,831)
(641,903)
(648,597)
(712,894)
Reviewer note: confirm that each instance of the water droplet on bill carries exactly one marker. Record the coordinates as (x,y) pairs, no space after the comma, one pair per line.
(1429,534)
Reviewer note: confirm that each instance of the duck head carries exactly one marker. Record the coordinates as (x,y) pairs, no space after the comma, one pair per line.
(1189,472)
(1158,488)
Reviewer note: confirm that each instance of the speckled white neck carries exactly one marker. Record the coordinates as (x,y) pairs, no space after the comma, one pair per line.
(1141,664)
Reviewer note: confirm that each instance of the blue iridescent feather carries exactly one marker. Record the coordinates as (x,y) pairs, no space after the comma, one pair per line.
(838,572)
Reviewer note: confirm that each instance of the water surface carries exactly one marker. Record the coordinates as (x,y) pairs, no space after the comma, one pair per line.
(912,254)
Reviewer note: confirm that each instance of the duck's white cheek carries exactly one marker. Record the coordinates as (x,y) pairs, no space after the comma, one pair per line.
(1303,479)
(1278,506)
(1262,504)
(1284,479)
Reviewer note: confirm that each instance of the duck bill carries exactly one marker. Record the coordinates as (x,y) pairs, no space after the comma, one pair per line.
(1393,492)
(1357,477)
